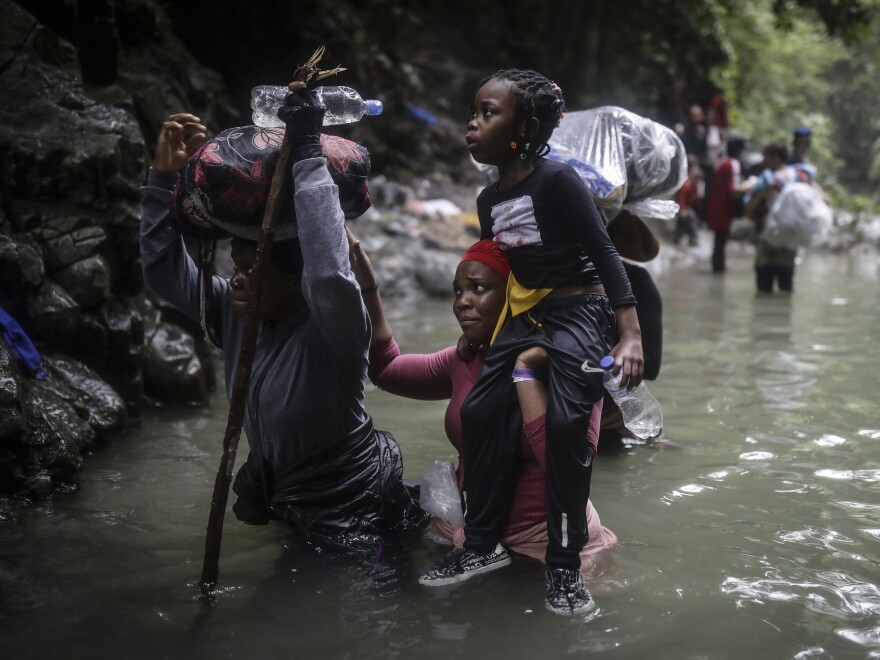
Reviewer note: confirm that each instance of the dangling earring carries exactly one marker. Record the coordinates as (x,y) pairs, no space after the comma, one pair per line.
(513,145)
(523,155)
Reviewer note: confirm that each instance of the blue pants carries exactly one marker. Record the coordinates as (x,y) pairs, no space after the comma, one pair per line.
(572,330)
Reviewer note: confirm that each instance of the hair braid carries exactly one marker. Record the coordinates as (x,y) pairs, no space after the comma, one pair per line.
(536,97)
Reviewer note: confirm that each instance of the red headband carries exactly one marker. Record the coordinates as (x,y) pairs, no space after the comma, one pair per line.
(488,253)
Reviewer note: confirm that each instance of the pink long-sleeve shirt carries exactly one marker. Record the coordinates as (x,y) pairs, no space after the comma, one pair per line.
(443,375)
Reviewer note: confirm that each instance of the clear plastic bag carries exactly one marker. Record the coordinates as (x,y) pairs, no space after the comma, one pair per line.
(658,209)
(621,157)
(439,494)
(591,142)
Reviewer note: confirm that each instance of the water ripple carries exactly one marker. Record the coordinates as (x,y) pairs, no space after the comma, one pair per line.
(829,440)
(757,456)
(860,506)
(792,487)
(783,362)
(835,594)
(868,476)
(809,654)
(862,637)
(819,538)
(688,490)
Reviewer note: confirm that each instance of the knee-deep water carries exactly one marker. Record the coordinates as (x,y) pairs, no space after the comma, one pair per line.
(751,530)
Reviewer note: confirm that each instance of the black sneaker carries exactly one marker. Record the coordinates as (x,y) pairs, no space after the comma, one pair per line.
(464,565)
(566,593)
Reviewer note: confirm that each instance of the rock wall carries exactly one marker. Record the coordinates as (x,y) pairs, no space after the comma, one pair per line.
(84,87)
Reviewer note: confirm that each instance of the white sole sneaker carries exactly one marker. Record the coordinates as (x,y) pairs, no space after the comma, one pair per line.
(464,566)
(565,585)
(589,607)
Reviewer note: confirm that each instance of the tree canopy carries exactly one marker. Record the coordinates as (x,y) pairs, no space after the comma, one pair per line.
(780,62)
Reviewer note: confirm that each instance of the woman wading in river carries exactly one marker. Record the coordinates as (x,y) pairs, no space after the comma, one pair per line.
(479,286)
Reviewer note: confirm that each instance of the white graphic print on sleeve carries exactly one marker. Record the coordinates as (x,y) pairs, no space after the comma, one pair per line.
(514,223)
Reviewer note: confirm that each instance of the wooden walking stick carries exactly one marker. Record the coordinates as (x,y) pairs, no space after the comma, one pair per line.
(307,73)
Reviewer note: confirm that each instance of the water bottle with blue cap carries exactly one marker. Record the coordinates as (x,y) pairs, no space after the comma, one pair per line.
(344,105)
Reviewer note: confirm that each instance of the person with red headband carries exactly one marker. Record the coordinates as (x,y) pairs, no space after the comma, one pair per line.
(479,286)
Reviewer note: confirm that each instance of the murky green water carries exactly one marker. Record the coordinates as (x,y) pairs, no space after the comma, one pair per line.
(751,531)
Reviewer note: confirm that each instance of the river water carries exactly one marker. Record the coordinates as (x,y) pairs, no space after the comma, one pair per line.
(751,530)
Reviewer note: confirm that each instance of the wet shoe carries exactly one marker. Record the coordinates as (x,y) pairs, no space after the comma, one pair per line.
(566,593)
(464,565)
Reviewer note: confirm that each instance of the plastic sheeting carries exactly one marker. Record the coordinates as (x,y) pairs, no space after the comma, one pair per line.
(364,496)
(625,160)
(439,494)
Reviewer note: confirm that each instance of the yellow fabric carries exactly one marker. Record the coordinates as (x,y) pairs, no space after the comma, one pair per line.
(518,300)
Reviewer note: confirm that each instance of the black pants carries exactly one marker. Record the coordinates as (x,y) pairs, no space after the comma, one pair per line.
(774,264)
(573,330)
(685,226)
(718,264)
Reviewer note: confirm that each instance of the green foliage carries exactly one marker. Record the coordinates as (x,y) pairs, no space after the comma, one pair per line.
(782,85)
(781,62)
(853,106)
(847,19)
(856,204)
(788,71)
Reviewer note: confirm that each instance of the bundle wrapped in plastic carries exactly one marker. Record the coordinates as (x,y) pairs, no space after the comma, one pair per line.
(623,158)
(591,142)
(797,214)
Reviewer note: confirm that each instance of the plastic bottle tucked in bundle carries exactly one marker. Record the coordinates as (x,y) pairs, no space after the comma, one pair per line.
(344,105)
(641,411)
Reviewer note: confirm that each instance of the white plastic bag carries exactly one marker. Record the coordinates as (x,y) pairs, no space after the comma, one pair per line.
(797,214)
(439,494)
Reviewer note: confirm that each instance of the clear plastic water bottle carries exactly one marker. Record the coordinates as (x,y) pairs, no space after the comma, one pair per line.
(344,105)
(641,411)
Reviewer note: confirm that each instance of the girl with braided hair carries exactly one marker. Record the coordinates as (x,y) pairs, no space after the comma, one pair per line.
(567,294)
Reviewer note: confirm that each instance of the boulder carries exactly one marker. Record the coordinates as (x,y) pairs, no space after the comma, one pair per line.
(12,421)
(94,401)
(73,246)
(21,270)
(54,313)
(172,369)
(87,281)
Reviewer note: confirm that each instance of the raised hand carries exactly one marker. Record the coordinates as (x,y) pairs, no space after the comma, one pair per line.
(179,138)
(303,116)
(361,266)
